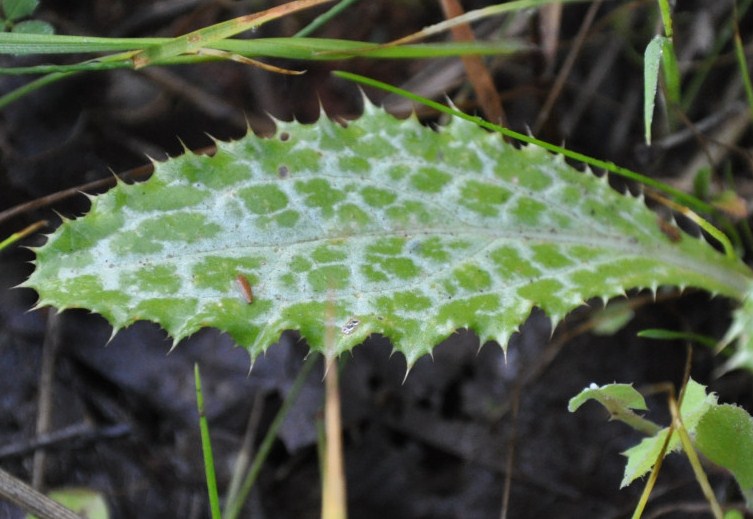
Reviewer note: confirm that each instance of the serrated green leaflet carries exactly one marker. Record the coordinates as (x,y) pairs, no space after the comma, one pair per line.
(642,457)
(381,226)
(623,394)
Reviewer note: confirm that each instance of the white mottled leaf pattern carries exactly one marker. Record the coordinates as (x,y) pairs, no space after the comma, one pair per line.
(378,226)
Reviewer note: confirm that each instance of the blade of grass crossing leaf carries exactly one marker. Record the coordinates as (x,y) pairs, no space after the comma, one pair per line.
(693,217)
(234,509)
(206,449)
(324,18)
(677,194)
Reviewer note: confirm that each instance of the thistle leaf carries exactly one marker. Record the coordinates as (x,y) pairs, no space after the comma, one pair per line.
(379,226)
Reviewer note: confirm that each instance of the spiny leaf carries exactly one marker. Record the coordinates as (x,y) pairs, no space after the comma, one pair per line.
(379,226)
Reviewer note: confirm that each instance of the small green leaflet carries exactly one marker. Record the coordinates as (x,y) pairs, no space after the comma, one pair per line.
(624,395)
(378,226)
(642,457)
(723,433)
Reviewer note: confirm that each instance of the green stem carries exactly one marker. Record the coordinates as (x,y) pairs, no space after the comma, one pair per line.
(30,87)
(666,17)
(635,421)
(23,233)
(690,452)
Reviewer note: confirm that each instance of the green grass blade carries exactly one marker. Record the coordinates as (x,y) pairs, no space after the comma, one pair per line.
(672,78)
(206,449)
(324,18)
(32,86)
(329,49)
(651,62)
(22,44)
(666,17)
(193,41)
(87,66)
(744,71)
(291,48)
(672,335)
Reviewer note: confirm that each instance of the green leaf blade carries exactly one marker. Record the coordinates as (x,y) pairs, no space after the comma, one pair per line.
(725,436)
(621,394)
(642,457)
(652,60)
(382,226)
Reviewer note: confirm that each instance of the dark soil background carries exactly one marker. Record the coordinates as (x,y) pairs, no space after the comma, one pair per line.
(447,441)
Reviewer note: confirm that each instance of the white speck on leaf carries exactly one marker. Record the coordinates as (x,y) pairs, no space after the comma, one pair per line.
(350,326)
